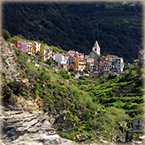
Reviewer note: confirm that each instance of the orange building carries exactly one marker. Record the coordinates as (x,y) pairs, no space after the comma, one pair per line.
(79,64)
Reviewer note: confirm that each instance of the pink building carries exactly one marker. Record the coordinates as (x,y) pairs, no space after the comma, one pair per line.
(23,46)
(73,53)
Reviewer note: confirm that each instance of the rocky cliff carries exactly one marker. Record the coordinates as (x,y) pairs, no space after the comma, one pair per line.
(21,127)
(23,123)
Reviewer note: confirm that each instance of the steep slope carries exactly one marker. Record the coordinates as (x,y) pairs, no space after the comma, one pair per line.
(21,120)
(117,27)
(87,110)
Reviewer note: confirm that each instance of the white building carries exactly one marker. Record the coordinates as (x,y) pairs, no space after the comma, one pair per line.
(62,59)
(117,65)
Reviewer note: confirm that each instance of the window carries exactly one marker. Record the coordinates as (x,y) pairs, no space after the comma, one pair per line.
(138,127)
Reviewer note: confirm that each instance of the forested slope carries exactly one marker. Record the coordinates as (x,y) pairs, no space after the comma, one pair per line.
(117,27)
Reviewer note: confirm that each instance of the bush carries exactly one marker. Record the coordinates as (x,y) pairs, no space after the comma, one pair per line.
(6,93)
(17,87)
(48,61)
(62,71)
(71,69)
(85,71)
(44,76)
(5,34)
(64,74)
(73,74)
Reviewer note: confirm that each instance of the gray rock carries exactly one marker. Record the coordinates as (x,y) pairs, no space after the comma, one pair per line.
(24,128)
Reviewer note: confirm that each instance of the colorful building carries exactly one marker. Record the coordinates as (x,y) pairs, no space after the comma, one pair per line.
(72,54)
(111,57)
(106,66)
(90,64)
(36,47)
(45,52)
(117,65)
(79,64)
(23,46)
(30,47)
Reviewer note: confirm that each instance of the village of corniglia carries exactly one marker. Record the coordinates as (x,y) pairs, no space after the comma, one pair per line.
(72,73)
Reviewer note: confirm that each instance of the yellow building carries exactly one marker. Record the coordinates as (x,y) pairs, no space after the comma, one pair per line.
(106,66)
(46,52)
(30,47)
(36,47)
(79,64)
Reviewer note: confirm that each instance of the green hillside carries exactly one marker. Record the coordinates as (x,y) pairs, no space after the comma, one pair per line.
(83,109)
(117,27)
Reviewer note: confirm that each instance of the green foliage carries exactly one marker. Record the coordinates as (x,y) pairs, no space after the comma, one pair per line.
(5,34)
(44,76)
(57,49)
(85,71)
(73,74)
(105,22)
(48,61)
(12,39)
(17,87)
(71,69)
(7,93)
(64,74)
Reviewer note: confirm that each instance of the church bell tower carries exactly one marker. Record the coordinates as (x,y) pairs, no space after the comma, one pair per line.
(96,48)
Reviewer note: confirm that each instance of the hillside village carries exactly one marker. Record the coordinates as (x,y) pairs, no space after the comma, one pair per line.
(94,64)
(17,71)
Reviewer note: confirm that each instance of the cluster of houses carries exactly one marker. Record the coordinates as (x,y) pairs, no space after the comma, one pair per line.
(34,47)
(94,63)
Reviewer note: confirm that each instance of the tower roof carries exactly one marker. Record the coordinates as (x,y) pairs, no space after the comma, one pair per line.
(96,44)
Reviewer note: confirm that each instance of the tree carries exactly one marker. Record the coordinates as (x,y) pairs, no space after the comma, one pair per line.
(71,69)
(85,71)
(5,34)
(17,87)
(48,61)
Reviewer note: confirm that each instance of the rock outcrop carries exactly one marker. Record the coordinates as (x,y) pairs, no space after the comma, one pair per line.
(9,66)
(21,127)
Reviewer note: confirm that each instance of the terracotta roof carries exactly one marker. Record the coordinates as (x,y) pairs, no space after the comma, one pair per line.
(142,51)
(137,118)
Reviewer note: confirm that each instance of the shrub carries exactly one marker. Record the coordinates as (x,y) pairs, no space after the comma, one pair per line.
(62,71)
(73,74)
(6,93)
(44,76)
(85,71)
(5,34)
(17,87)
(71,69)
(66,76)
(48,61)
